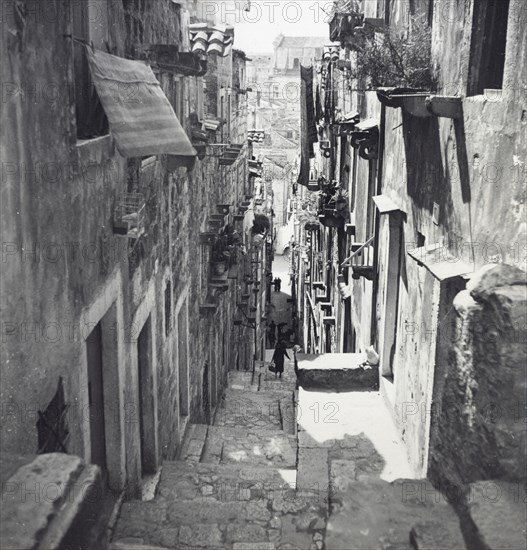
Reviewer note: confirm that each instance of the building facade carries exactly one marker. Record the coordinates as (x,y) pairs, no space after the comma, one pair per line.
(118,326)
(407,197)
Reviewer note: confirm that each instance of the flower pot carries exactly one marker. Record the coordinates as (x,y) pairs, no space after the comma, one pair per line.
(219,267)
(341,204)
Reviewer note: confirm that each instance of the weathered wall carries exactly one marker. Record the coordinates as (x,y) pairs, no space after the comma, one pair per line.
(58,197)
(478,418)
(472,169)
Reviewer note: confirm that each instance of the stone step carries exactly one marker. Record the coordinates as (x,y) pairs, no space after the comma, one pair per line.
(287,407)
(252,409)
(280,522)
(222,482)
(193,443)
(242,380)
(193,524)
(133,543)
(376,514)
(257,446)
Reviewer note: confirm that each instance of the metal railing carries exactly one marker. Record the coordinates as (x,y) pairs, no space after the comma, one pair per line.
(347,261)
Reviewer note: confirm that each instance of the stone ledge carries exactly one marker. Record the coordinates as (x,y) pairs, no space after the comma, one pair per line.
(336,371)
(53,501)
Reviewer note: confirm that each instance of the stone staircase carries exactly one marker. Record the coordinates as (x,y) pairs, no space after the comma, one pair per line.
(233,486)
(255,480)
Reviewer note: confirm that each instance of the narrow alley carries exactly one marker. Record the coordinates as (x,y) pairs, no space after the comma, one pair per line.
(264,275)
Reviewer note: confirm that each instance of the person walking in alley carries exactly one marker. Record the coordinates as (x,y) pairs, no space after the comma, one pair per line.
(278,357)
(271,333)
(280,329)
(276,284)
(279,283)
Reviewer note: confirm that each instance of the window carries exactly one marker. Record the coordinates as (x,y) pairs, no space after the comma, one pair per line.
(487,52)
(89,27)
(296,63)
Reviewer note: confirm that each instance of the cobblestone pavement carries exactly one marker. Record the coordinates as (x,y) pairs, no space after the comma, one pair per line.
(235,484)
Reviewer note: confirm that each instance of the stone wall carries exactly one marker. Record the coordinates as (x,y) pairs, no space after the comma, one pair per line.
(64,270)
(478,417)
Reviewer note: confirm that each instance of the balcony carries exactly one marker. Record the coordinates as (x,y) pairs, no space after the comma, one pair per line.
(333,207)
(361,260)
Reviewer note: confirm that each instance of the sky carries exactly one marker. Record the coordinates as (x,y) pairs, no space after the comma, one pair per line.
(256,29)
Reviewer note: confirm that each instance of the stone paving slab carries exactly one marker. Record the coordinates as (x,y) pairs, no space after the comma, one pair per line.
(251,409)
(499,510)
(224,482)
(378,514)
(313,470)
(257,447)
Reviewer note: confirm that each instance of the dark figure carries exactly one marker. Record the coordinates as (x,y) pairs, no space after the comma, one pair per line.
(276,284)
(279,283)
(271,333)
(278,357)
(280,328)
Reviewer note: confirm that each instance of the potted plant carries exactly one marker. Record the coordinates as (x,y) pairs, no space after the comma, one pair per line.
(226,248)
(341,199)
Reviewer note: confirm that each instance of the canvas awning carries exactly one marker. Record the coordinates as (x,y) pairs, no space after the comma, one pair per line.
(141,119)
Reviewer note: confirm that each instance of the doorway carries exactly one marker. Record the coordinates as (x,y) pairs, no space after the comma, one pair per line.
(146,402)
(105,406)
(94,346)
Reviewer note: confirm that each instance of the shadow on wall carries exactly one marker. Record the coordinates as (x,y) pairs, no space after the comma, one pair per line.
(426,180)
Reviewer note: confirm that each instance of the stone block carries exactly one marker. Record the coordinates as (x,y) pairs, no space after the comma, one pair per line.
(313,472)
(432,535)
(253,546)
(378,514)
(498,510)
(247,532)
(200,535)
(29,518)
(337,371)
(493,276)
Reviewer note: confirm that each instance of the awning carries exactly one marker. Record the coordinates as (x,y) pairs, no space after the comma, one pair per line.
(385,205)
(440,262)
(141,118)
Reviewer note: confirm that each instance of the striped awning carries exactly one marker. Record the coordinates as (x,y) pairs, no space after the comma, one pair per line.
(208,39)
(141,118)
